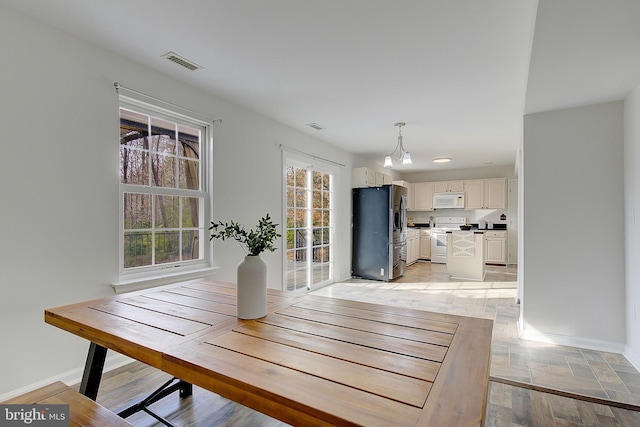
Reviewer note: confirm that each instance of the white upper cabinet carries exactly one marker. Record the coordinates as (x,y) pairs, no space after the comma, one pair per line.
(423,196)
(474,194)
(456,186)
(478,193)
(440,187)
(367,177)
(410,197)
(448,186)
(485,193)
(363,177)
(495,193)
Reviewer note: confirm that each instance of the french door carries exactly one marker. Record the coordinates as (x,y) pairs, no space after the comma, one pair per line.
(310,227)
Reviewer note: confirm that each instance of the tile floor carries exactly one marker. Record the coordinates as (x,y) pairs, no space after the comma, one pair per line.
(516,406)
(428,287)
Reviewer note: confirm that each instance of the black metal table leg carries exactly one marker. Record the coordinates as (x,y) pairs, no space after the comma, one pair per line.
(93,371)
(93,374)
(186,389)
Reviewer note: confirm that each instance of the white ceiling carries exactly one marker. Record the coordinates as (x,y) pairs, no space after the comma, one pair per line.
(456,71)
(584,52)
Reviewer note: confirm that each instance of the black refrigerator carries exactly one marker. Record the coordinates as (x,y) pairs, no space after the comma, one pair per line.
(379,236)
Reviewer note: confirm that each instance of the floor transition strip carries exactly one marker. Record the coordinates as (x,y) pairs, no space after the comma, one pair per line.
(570,395)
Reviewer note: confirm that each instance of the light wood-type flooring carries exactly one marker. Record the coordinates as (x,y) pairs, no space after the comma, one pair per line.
(530,380)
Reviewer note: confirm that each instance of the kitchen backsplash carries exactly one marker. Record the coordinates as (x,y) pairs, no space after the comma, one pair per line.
(473,216)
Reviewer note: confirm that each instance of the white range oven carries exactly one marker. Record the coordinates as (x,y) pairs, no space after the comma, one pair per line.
(439,236)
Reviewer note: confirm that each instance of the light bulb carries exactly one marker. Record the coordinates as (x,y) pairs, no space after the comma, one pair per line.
(406,159)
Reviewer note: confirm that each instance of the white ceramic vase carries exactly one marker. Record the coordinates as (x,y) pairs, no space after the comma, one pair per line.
(252,288)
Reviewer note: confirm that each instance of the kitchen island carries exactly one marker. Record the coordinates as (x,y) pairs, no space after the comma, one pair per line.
(465,254)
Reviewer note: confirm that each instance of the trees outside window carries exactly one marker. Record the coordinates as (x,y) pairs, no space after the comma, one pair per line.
(162,193)
(309,232)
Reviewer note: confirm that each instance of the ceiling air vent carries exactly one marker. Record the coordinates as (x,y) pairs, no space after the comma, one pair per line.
(315,126)
(192,66)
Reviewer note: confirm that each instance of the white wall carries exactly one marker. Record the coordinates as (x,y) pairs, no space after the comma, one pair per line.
(59,174)
(573,236)
(245,190)
(632,221)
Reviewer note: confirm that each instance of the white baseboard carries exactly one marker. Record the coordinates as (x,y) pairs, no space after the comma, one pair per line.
(632,357)
(571,341)
(114,360)
(343,279)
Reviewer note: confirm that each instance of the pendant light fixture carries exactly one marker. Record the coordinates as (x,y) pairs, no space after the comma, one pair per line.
(403,156)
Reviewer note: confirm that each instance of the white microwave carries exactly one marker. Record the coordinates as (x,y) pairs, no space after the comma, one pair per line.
(448,201)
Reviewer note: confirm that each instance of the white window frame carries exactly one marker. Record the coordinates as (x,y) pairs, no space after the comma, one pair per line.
(135,278)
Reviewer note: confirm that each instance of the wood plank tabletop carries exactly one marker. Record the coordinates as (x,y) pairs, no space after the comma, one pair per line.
(145,324)
(311,361)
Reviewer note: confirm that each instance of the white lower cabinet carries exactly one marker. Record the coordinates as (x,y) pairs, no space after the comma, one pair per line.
(496,247)
(413,246)
(425,244)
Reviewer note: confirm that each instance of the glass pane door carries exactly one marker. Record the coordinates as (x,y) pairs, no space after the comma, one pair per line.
(309,254)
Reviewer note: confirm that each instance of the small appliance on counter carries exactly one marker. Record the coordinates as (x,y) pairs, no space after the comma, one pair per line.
(490,226)
(482,225)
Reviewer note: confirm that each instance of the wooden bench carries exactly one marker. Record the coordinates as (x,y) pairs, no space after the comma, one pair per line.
(82,410)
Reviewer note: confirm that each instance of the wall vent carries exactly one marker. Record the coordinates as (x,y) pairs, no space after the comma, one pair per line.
(189,65)
(315,126)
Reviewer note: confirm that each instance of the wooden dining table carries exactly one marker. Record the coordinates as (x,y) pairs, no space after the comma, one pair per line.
(312,360)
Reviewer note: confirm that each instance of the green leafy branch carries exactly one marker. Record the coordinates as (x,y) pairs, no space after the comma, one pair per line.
(254,242)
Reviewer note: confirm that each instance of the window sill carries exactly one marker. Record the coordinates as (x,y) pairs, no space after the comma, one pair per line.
(165,279)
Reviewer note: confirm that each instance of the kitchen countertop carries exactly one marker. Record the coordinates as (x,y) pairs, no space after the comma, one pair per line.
(496,227)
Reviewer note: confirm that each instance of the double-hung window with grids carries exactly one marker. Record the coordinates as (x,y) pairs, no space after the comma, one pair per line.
(164,197)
